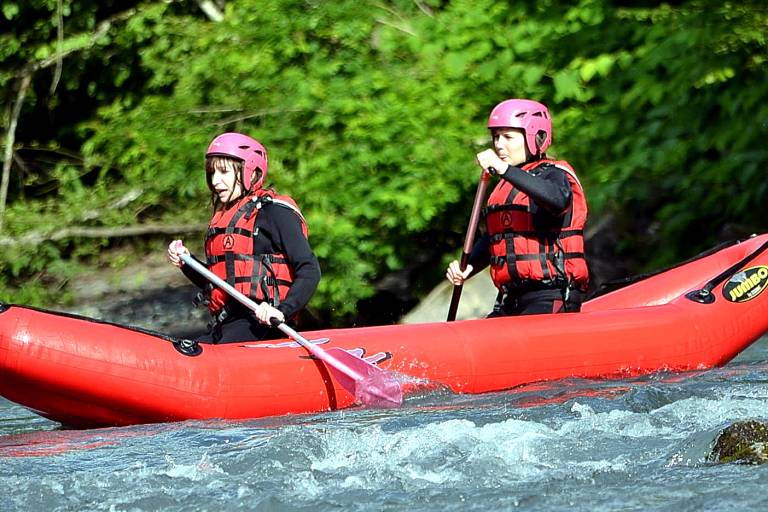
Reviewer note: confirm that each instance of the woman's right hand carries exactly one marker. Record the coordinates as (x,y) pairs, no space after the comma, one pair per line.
(454,274)
(175,250)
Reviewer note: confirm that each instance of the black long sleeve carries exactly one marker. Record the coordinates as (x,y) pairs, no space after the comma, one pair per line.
(280,231)
(549,187)
(194,276)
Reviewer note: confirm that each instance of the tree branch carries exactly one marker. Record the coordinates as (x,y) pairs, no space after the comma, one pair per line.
(10,138)
(210,10)
(59,45)
(25,79)
(261,113)
(102,28)
(35,238)
(425,9)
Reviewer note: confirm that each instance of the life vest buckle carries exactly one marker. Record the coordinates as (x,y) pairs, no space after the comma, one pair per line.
(200,299)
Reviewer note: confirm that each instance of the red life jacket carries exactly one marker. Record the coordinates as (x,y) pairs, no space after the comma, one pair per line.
(230,251)
(522,253)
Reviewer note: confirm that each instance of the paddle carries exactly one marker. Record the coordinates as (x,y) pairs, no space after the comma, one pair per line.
(369,384)
(482,186)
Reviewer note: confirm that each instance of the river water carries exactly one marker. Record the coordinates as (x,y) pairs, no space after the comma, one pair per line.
(574,445)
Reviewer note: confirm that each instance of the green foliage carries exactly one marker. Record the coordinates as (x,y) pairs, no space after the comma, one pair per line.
(684,112)
(373,112)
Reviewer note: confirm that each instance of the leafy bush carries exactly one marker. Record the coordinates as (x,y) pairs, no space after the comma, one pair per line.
(373,113)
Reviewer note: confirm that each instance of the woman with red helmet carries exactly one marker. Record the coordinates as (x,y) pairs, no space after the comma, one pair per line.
(256,241)
(535,216)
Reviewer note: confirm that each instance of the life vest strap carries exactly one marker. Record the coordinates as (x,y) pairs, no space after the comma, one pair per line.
(272,258)
(509,234)
(531,285)
(504,208)
(268,280)
(225,231)
(500,260)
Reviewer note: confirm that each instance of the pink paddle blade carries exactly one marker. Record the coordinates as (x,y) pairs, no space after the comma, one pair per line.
(375,387)
(380,389)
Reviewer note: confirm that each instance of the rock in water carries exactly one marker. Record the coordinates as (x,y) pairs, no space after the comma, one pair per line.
(744,442)
(477,298)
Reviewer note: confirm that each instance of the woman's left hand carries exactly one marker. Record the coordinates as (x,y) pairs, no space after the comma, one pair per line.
(488,159)
(265,311)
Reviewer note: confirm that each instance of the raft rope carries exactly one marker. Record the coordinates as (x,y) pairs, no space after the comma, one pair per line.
(705,295)
(613,285)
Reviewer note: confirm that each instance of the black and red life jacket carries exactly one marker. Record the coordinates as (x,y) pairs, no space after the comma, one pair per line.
(526,250)
(229,248)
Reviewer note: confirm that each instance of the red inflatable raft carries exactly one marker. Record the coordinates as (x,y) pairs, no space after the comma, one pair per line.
(86,373)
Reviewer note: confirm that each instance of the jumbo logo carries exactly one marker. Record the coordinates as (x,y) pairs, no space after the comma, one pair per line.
(746,285)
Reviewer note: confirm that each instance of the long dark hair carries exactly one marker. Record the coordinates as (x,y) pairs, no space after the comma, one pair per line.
(212,163)
(540,138)
(216,162)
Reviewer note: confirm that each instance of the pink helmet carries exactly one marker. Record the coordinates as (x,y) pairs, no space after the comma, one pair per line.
(242,147)
(531,116)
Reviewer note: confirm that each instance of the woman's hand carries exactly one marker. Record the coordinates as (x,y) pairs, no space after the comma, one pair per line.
(265,311)
(491,162)
(454,274)
(175,250)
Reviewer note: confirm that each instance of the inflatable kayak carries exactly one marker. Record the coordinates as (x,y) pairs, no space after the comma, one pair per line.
(87,373)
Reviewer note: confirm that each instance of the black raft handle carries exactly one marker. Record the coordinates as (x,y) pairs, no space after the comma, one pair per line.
(705,295)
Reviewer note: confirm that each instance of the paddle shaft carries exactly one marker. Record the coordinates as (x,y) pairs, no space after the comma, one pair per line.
(245,301)
(469,240)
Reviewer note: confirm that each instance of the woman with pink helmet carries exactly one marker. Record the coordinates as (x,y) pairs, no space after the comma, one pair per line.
(535,216)
(256,241)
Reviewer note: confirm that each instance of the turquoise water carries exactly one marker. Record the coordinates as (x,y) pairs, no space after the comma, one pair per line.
(576,445)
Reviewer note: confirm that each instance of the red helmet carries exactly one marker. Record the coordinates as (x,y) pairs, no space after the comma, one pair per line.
(242,147)
(531,116)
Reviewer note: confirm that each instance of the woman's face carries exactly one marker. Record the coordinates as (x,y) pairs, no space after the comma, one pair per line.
(509,144)
(225,180)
